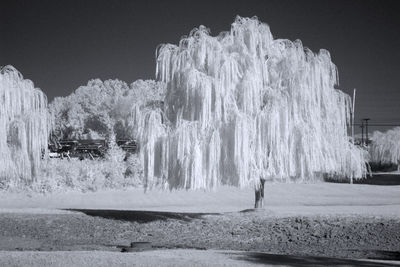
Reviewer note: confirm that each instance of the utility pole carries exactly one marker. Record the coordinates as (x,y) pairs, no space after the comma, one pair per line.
(366,130)
(362,133)
(352,123)
(352,114)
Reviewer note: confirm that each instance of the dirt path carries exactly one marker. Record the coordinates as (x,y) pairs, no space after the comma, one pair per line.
(330,236)
(175,257)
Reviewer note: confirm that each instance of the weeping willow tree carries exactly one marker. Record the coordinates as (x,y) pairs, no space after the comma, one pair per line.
(23,127)
(385,147)
(242,108)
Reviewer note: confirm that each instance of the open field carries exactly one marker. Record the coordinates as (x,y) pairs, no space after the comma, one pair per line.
(280,199)
(299,222)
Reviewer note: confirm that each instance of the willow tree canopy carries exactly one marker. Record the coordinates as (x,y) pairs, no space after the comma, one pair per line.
(23,126)
(242,106)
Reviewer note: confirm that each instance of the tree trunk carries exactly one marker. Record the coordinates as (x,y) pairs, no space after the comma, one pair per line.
(260,195)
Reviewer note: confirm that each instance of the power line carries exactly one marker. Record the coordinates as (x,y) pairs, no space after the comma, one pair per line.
(376,124)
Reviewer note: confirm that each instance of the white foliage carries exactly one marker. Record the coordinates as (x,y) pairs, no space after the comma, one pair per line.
(23,126)
(101,109)
(385,147)
(243,106)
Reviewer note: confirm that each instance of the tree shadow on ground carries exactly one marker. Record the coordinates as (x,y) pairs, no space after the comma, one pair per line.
(376,179)
(141,216)
(290,260)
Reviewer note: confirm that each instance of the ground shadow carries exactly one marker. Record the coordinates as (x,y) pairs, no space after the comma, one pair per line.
(141,216)
(290,260)
(382,255)
(376,179)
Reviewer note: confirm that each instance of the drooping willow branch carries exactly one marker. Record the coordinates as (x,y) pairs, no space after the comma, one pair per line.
(23,126)
(244,106)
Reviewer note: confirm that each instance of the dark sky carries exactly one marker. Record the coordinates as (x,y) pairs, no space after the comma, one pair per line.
(60,45)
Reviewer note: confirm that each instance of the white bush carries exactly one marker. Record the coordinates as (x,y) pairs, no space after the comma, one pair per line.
(385,147)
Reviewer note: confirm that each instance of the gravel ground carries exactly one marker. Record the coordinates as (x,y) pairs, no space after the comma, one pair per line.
(329,236)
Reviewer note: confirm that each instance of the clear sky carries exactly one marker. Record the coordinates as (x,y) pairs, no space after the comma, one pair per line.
(62,44)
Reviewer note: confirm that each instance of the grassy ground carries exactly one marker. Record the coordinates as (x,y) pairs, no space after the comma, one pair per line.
(300,222)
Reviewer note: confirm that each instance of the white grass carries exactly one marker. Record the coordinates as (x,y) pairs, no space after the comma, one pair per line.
(280,199)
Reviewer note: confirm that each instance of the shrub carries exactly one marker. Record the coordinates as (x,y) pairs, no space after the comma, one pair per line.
(88,175)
